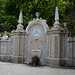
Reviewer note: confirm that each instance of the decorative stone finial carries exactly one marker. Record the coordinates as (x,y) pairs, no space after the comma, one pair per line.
(37,14)
(20,21)
(5,32)
(70,38)
(5,37)
(56,14)
(56,23)
(70,34)
(65,25)
(20,26)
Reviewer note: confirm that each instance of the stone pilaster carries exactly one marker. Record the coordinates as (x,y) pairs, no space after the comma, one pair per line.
(17,47)
(69,52)
(55,60)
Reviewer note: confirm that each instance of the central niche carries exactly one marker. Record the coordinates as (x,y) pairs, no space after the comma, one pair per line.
(36,31)
(36,40)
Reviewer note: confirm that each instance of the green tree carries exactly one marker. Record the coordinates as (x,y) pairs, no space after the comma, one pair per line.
(10,11)
(7,19)
(70,16)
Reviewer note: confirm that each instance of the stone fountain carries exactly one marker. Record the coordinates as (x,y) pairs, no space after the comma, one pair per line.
(36,53)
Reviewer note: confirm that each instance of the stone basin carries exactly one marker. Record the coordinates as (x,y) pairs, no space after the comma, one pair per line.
(36,53)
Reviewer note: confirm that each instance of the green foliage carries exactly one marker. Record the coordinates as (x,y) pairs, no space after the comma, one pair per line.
(10,8)
(71,22)
(7,19)
(4,33)
(9,11)
(6,26)
(69,16)
(8,23)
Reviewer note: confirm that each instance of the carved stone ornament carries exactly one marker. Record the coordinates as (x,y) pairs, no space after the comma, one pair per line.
(19,26)
(38,20)
(56,23)
(36,31)
(5,36)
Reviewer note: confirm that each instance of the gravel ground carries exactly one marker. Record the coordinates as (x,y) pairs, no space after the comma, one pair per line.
(22,69)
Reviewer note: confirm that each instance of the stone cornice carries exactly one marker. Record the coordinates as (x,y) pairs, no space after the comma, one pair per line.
(57,31)
(5,40)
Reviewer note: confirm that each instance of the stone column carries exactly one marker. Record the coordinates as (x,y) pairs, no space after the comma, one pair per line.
(69,54)
(17,47)
(55,49)
(18,41)
(56,32)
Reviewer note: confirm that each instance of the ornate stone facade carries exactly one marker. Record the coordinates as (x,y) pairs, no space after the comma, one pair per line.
(52,46)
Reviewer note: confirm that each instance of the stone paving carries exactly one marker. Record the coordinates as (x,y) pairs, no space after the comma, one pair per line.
(22,69)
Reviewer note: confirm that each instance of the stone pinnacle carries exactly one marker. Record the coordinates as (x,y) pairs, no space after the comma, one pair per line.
(20,21)
(56,14)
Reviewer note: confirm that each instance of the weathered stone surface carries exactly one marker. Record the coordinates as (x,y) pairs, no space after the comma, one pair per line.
(52,46)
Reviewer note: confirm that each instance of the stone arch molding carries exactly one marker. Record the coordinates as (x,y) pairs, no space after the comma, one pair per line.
(37,21)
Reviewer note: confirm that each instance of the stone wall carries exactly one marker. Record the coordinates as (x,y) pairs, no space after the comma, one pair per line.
(5,50)
(59,49)
(70,57)
(52,46)
(18,48)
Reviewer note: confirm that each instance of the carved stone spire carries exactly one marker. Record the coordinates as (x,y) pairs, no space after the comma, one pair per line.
(56,14)
(20,26)
(56,23)
(56,17)
(20,18)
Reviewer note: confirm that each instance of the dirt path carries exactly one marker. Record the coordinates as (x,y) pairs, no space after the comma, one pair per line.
(22,69)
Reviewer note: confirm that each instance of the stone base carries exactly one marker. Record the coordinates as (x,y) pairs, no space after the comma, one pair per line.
(68,62)
(62,62)
(74,62)
(48,62)
(53,62)
(5,58)
(18,59)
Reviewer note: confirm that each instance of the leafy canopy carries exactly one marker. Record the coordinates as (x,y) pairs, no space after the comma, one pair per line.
(9,11)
